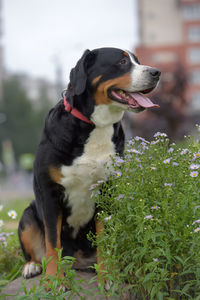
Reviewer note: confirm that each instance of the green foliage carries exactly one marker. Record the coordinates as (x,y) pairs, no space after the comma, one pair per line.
(151,213)
(56,287)
(11,259)
(24,122)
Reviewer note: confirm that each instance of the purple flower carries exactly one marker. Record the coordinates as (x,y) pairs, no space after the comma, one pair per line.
(194,166)
(158,134)
(168,184)
(167,161)
(155,207)
(119,161)
(117,173)
(194,174)
(149,217)
(107,218)
(155,259)
(120,196)
(184,151)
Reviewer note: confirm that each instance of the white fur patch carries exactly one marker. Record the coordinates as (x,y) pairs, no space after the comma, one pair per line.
(85,171)
(105,115)
(31,269)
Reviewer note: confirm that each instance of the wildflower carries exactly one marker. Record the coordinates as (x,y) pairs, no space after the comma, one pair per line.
(155,259)
(171,150)
(12,214)
(167,161)
(131,197)
(130,142)
(175,164)
(155,207)
(149,217)
(194,174)
(155,142)
(168,184)
(127,157)
(92,187)
(120,196)
(100,181)
(153,168)
(144,145)
(2,239)
(134,151)
(1,207)
(197,229)
(197,221)
(117,174)
(119,161)
(196,155)
(162,134)
(1,223)
(107,218)
(194,166)
(184,151)
(95,193)
(138,138)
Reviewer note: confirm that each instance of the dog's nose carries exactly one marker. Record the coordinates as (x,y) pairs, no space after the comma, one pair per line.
(155,73)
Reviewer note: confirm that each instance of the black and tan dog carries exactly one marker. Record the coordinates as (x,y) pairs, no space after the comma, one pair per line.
(81,133)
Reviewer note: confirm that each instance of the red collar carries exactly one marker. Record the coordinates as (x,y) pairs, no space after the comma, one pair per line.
(75,112)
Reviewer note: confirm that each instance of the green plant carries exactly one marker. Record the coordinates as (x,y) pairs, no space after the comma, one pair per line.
(151,214)
(56,287)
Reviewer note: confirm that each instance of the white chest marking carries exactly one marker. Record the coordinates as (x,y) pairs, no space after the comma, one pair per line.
(85,171)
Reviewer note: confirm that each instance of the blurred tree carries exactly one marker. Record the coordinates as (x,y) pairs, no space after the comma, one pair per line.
(23,121)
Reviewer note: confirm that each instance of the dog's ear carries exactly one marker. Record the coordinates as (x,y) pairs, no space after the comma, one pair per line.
(78,75)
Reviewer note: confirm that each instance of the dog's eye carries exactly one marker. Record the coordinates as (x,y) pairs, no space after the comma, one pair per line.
(123,61)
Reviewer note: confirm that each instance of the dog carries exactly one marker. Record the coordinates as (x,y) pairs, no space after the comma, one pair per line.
(81,133)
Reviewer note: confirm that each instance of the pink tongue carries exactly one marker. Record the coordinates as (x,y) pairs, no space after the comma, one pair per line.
(141,100)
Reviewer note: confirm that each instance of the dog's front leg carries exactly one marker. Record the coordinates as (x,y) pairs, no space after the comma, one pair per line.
(53,241)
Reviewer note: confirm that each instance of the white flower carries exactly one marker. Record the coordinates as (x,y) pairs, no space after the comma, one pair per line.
(12,214)
(171,150)
(1,223)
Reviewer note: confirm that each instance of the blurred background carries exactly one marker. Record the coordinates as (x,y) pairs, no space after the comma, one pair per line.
(41,40)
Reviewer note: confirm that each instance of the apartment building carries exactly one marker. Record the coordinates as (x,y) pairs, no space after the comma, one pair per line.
(169,36)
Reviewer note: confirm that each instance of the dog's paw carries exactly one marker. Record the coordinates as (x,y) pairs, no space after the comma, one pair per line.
(30,270)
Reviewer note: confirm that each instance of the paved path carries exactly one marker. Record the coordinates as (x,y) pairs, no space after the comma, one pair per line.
(12,288)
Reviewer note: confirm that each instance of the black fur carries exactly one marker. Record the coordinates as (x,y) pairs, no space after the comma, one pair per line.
(63,140)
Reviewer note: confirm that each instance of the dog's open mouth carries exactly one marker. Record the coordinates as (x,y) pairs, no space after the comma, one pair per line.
(132,100)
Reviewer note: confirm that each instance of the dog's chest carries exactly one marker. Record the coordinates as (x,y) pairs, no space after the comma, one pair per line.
(85,171)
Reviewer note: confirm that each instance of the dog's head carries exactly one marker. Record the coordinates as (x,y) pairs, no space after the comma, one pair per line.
(114,78)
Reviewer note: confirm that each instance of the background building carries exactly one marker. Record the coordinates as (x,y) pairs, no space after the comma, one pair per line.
(169,38)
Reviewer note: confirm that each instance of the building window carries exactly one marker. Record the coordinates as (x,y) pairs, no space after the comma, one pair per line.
(191,11)
(194,34)
(194,77)
(194,55)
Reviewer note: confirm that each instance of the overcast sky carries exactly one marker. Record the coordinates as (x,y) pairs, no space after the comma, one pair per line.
(38,32)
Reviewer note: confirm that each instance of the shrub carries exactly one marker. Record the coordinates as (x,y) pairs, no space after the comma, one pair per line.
(151,213)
